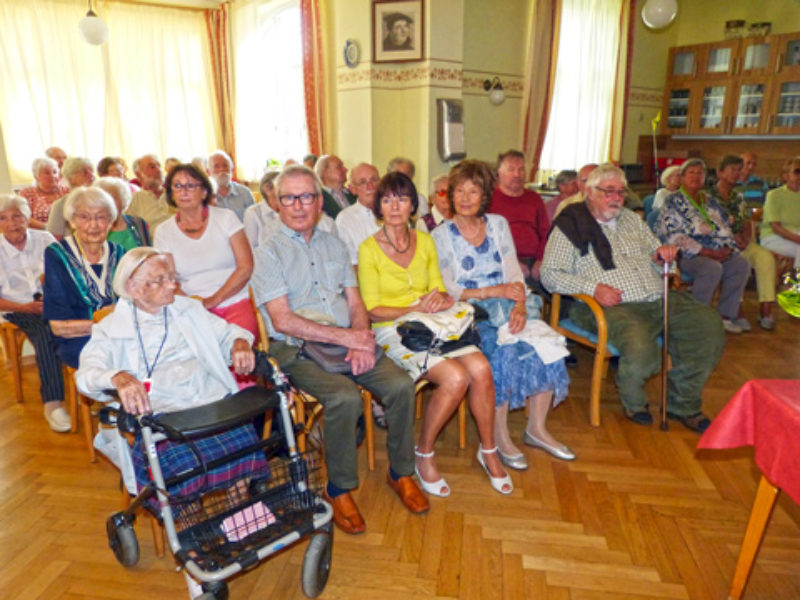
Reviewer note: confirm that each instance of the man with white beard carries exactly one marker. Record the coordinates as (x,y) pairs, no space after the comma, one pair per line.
(230,194)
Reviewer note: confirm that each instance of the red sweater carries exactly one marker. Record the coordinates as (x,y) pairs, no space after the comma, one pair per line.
(527,217)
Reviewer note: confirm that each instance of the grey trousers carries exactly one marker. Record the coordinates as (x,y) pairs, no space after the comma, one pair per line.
(342,405)
(709,273)
(696,341)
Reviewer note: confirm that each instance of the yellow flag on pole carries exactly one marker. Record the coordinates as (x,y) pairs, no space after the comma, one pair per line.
(656,121)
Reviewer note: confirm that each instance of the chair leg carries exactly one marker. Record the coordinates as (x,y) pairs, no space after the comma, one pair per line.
(71,396)
(370,432)
(88,427)
(13,342)
(300,417)
(462,423)
(598,374)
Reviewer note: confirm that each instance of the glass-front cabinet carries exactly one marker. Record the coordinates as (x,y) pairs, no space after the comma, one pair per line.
(684,62)
(711,119)
(757,56)
(789,53)
(678,110)
(785,106)
(749,115)
(720,60)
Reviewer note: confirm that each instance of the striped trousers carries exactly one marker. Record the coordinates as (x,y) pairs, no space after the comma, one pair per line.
(47,360)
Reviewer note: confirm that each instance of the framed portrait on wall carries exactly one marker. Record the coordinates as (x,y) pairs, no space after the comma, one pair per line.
(398,30)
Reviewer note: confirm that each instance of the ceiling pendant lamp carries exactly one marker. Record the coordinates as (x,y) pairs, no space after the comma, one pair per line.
(93,28)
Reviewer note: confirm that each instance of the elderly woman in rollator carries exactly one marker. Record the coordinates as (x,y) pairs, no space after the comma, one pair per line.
(479,265)
(127,231)
(21,269)
(78,271)
(209,246)
(398,273)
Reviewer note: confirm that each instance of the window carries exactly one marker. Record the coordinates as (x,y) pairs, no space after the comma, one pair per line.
(269,105)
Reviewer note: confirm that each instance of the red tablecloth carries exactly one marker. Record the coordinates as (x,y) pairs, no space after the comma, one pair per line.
(765,414)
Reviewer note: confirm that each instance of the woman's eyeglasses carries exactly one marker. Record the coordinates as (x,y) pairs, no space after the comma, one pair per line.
(177,187)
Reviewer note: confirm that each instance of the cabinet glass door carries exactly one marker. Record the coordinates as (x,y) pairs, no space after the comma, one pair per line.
(678,109)
(790,57)
(683,63)
(719,60)
(787,115)
(712,108)
(749,108)
(758,56)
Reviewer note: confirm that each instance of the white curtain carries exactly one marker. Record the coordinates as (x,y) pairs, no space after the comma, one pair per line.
(269,106)
(579,129)
(148,89)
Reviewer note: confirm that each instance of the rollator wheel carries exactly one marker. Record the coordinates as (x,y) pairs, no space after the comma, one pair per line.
(317,563)
(214,591)
(122,540)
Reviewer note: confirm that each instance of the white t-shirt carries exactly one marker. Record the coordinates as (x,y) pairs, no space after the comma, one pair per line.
(21,270)
(353,225)
(206,263)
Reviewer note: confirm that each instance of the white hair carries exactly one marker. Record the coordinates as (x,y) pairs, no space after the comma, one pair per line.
(223,154)
(9,201)
(118,189)
(435,180)
(606,171)
(135,165)
(293,171)
(73,165)
(40,163)
(401,160)
(322,164)
(128,264)
(90,197)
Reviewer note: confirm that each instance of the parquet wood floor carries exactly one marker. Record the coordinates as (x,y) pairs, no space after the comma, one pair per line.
(638,515)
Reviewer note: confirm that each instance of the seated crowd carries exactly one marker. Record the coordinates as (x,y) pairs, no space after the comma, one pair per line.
(347,264)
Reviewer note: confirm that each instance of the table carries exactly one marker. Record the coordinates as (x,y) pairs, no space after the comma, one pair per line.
(765,414)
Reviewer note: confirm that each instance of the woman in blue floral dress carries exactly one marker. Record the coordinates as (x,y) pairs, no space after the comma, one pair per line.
(479,264)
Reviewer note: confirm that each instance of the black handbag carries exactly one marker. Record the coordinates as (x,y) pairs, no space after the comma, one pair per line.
(331,357)
(418,337)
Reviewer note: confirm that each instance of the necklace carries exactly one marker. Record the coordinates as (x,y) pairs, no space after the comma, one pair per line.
(391,243)
(186,229)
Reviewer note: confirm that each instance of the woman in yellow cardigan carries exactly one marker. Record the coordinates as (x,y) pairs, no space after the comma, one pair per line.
(398,272)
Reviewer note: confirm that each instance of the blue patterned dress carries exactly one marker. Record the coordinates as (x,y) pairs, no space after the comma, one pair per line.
(517,370)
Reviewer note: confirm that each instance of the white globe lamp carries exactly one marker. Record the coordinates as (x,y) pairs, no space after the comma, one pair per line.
(657,14)
(93,28)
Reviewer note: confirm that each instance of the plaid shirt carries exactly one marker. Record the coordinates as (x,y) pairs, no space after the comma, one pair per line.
(565,271)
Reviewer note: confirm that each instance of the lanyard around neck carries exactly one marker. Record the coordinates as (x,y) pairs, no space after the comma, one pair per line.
(148,367)
(700,208)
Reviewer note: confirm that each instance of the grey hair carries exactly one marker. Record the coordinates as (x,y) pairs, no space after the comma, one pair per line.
(39,163)
(565,176)
(441,177)
(606,171)
(135,165)
(293,171)
(401,160)
(322,164)
(74,164)
(669,172)
(200,162)
(693,162)
(223,154)
(91,197)
(128,264)
(118,189)
(9,201)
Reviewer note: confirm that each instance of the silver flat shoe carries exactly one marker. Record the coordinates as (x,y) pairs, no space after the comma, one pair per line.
(562,451)
(517,461)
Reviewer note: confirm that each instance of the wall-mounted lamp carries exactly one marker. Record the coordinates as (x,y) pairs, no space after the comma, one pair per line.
(657,14)
(496,93)
(93,28)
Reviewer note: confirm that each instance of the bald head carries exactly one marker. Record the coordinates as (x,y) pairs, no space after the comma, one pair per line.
(583,176)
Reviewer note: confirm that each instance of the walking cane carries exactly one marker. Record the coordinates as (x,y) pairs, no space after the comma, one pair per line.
(665,350)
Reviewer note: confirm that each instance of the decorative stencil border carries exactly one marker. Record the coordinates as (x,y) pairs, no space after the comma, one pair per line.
(644,96)
(424,74)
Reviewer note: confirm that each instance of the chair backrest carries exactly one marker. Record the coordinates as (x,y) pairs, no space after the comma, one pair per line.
(263,341)
(102,313)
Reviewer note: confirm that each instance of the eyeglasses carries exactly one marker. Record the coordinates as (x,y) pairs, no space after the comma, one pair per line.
(159,281)
(85,218)
(177,187)
(306,199)
(609,192)
(441,193)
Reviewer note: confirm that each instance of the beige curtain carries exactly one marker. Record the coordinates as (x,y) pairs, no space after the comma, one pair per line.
(218,31)
(626,25)
(313,75)
(146,90)
(585,93)
(540,70)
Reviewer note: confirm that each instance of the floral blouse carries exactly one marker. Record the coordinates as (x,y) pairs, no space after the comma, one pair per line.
(681,223)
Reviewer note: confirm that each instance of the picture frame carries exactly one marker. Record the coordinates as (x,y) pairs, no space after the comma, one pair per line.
(398,31)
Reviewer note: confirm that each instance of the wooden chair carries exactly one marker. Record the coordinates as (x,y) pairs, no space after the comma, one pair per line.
(13,339)
(599,342)
(462,411)
(307,409)
(74,399)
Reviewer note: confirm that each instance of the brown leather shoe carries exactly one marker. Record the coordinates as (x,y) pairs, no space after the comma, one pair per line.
(345,513)
(410,494)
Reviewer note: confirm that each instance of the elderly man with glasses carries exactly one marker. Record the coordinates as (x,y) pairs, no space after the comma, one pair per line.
(603,250)
(306,288)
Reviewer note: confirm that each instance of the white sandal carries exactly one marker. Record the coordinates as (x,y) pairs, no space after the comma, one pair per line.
(433,488)
(498,483)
